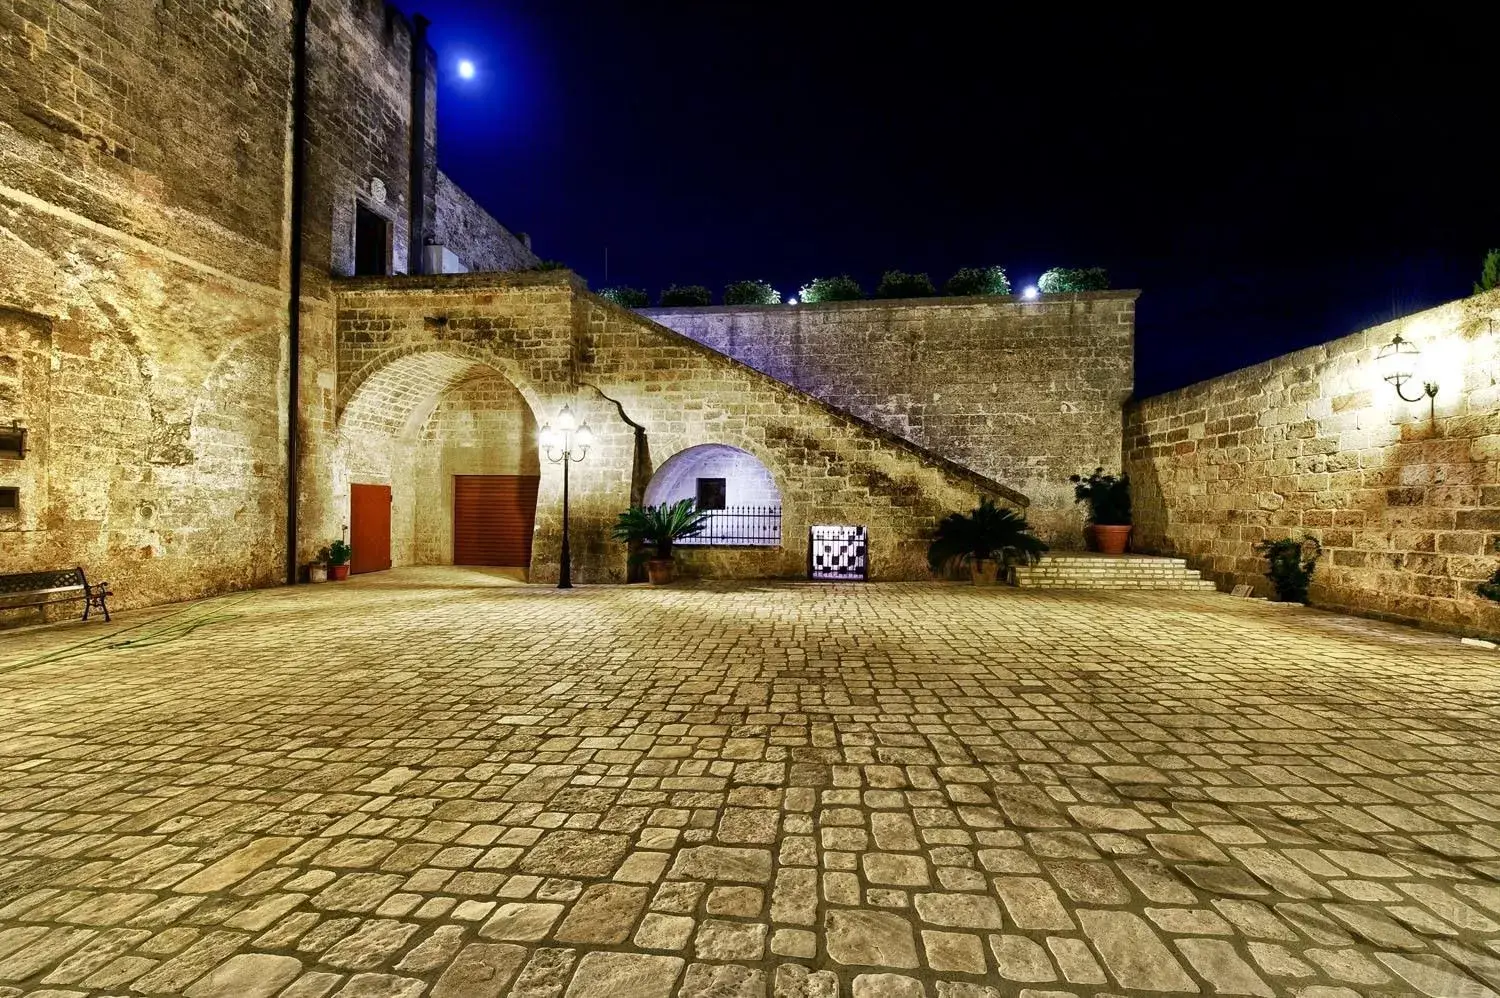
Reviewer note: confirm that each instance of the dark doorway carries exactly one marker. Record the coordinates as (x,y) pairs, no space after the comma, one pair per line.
(369,528)
(372,242)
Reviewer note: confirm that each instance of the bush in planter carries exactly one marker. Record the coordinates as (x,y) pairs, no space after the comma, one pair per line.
(1064,279)
(841,288)
(970,281)
(685,294)
(1290,566)
(658,528)
(1108,497)
(899,284)
(987,533)
(626,297)
(1491,589)
(337,553)
(751,293)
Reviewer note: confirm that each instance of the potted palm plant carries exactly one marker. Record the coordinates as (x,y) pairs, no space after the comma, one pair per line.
(987,538)
(1108,497)
(338,560)
(657,528)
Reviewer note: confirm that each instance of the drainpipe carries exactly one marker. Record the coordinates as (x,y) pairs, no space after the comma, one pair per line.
(417,167)
(294,282)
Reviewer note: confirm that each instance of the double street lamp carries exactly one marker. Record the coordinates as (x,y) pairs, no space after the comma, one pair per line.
(564,445)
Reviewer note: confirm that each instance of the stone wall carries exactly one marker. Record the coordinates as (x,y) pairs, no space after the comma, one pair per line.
(1026,393)
(648,394)
(1405,500)
(480,242)
(142,316)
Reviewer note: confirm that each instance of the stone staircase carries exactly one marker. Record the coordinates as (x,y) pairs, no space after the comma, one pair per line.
(1086,570)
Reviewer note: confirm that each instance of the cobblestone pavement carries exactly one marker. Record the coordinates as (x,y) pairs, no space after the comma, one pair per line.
(416,785)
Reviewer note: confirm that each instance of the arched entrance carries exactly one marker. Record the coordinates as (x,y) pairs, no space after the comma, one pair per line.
(731,485)
(450,443)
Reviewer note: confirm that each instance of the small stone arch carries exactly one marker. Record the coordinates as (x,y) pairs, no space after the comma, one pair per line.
(737,489)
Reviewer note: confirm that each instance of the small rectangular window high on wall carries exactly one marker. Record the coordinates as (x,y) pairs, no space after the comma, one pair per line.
(12,443)
(712,493)
(10,499)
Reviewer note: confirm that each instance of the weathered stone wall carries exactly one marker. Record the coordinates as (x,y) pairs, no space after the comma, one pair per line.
(1026,393)
(558,345)
(1405,501)
(142,319)
(480,242)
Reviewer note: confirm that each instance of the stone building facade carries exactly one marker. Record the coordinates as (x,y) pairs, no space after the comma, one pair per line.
(1403,497)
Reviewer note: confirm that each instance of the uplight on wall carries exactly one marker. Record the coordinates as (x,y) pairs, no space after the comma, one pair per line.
(1397,362)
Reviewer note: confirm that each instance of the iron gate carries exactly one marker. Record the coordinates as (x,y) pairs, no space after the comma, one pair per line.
(838,552)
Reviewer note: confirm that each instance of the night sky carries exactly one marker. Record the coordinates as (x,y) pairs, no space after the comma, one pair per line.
(1267,184)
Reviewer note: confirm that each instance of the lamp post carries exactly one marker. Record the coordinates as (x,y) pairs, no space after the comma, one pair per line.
(560,445)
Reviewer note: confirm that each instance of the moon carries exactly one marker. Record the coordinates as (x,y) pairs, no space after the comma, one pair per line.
(466,69)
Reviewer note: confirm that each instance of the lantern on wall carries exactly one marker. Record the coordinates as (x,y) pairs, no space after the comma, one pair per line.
(1398,362)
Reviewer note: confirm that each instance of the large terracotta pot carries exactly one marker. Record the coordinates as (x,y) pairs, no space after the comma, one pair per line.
(1110,538)
(983,572)
(659,571)
(338,573)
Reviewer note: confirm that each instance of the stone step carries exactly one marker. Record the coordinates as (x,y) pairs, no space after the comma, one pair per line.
(1081,570)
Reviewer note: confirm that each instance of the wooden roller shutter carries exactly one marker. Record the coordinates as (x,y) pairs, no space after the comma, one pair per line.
(493,519)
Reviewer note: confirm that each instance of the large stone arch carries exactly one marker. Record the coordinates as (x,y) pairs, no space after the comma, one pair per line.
(415,418)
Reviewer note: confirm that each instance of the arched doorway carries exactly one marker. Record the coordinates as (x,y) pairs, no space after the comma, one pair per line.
(451,443)
(731,485)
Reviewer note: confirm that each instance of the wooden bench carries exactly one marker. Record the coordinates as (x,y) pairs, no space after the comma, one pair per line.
(23,589)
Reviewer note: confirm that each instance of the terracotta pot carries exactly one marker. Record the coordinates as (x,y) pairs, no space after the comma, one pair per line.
(659,571)
(317,572)
(338,573)
(1111,538)
(983,573)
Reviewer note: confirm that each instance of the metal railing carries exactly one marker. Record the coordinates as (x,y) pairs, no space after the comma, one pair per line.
(743,526)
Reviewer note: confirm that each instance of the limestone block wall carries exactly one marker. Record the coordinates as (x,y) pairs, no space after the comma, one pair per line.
(142,318)
(482,243)
(648,394)
(1026,393)
(1405,501)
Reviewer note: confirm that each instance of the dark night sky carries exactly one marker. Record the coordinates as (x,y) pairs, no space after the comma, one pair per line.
(1268,185)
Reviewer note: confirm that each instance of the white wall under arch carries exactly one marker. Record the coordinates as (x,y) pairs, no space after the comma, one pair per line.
(747,482)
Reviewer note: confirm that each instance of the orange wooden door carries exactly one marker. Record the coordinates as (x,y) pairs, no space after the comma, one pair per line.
(493,519)
(369,528)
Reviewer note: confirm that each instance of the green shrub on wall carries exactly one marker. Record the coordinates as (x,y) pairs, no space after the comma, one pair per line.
(751,293)
(841,288)
(1063,279)
(626,297)
(978,281)
(550,265)
(899,284)
(1491,589)
(1290,564)
(685,294)
(1489,273)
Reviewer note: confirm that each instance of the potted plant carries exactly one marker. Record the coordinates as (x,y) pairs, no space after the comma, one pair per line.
(317,570)
(657,528)
(338,560)
(1108,497)
(1290,564)
(987,538)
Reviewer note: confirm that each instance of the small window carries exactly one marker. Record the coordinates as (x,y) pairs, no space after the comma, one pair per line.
(372,242)
(711,493)
(12,443)
(10,500)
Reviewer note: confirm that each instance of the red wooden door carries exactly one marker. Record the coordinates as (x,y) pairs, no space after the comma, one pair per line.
(369,528)
(493,519)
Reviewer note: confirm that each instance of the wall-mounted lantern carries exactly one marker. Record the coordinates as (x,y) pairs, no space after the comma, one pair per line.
(1397,361)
